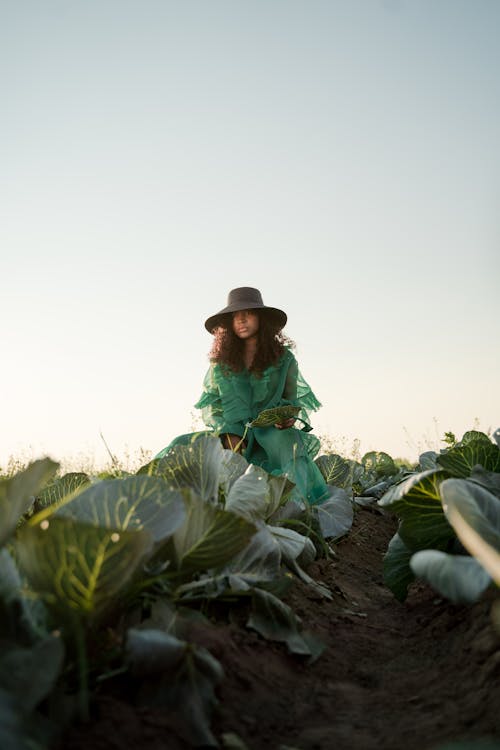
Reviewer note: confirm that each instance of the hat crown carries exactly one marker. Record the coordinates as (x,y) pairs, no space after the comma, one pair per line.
(244,295)
(244,298)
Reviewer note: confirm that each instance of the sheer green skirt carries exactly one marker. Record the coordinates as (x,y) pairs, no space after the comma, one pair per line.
(287,452)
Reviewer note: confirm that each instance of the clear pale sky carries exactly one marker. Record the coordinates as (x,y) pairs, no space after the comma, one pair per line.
(343,156)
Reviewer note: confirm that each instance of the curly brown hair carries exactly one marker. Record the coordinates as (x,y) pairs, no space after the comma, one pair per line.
(227,349)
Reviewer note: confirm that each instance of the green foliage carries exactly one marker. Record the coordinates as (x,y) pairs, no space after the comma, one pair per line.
(270,417)
(379,463)
(474,513)
(274,620)
(198,466)
(337,471)
(61,490)
(459,497)
(397,572)
(459,578)
(27,676)
(474,448)
(209,536)
(130,504)
(417,502)
(78,568)
(178,677)
(17,494)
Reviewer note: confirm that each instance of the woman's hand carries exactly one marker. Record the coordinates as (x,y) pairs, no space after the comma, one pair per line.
(233,442)
(285,424)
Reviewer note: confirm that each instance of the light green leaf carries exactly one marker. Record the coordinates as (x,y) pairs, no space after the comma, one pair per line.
(259,562)
(336,514)
(62,489)
(209,536)
(478,507)
(270,417)
(280,488)
(250,494)
(460,579)
(417,501)
(293,545)
(474,513)
(397,572)
(233,465)
(297,550)
(257,495)
(17,494)
(79,568)
(197,466)
(137,502)
(460,460)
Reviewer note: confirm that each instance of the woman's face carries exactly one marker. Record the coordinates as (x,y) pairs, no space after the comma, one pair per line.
(245,323)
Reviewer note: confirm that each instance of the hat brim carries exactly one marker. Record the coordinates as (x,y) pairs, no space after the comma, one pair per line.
(218,319)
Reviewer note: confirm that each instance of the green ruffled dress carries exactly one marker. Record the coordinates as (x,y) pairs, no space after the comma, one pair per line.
(231,400)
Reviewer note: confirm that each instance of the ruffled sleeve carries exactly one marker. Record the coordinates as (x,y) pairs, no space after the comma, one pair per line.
(212,410)
(297,392)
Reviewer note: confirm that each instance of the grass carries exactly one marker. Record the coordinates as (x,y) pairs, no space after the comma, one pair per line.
(128,463)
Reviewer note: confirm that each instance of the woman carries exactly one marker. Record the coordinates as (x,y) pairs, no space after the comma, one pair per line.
(253,369)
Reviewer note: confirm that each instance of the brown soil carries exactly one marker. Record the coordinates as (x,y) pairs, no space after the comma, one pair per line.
(392,676)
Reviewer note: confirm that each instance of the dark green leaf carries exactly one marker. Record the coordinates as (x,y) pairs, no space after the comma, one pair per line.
(417,501)
(380,463)
(29,674)
(150,652)
(460,460)
(427,460)
(17,494)
(335,469)
(185,688)
(274,620)
(488,479)
(473,436)
(209,537)
(397,572)
(13,735)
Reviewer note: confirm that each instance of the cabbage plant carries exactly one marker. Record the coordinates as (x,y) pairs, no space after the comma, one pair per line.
(455,502)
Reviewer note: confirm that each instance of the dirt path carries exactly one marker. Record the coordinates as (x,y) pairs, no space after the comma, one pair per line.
(392,676)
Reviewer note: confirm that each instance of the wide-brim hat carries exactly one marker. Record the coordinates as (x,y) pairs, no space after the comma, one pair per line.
(245,298)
